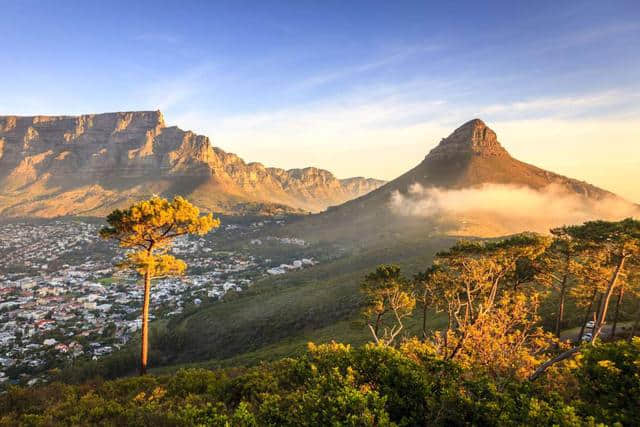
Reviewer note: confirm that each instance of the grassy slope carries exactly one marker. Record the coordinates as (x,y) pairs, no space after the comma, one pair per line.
(281,314)
(352,331)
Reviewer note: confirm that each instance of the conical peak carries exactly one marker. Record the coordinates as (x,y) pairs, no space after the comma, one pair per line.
(473,137)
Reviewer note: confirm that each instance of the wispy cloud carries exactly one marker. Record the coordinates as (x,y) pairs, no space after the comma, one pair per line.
(390,134)
(158,37)
(392,57)
(175,91)
(566,106)
(351,114)
(583,36)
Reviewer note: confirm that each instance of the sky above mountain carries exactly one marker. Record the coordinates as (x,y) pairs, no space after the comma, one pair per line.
(360,88)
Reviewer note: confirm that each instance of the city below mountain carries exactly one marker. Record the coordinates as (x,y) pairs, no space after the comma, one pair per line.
(90,164)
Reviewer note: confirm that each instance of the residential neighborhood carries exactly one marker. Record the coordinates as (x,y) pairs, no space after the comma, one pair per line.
(63,299)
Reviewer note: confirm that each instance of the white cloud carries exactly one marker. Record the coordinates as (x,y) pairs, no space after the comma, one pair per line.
(510,208)
(565,106)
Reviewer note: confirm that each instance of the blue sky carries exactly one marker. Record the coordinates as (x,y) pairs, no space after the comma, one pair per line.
(359,88)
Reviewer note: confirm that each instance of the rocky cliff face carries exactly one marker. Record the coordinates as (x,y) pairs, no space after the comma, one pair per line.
(89,164)
(473,138)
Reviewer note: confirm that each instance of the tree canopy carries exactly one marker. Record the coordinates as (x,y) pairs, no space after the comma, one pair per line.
(148,227)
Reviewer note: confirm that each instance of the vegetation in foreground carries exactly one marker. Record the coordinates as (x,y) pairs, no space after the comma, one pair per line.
(334,384)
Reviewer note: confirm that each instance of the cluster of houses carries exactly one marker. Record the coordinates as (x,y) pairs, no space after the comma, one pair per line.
(283,240)
(40,247)
(62,299)
(295,265)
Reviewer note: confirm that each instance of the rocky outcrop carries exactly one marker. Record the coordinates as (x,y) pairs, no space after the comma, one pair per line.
(473,138)
(47,163)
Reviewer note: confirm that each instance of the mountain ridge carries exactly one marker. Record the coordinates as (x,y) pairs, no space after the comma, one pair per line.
(88,164)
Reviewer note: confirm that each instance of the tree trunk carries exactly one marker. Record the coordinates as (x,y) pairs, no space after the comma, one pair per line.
(144,350)
(494,292)
(586,316)
(373,332)
(635,326)
(458,346)
(469,309)
(615,316)
(377,327)
(394,334)
(597,310)
(424,322)
(446,333)
(602,313)
(560,315)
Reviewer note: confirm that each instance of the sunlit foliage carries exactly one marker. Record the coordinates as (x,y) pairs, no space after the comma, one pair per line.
(335,384)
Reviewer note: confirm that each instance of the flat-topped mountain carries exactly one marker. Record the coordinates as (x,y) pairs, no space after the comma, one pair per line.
(89,164)
(468,184)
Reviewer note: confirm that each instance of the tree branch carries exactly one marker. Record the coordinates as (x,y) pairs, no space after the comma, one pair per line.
(375,337)
(562,356)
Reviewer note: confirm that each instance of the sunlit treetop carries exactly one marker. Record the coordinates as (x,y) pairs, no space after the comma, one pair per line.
(155,222)
(622,233)
(608,241)
(518,242)
(385,272)
(386,276)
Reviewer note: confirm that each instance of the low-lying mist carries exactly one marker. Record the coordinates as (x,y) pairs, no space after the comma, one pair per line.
(508,208)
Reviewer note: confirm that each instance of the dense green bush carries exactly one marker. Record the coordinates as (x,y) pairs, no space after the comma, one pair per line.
(609,382)
(335,384)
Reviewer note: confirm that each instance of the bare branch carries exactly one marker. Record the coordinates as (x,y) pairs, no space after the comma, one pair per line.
(562,356)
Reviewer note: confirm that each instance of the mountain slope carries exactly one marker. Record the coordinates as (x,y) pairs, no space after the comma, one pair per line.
(70,165)
(471,158)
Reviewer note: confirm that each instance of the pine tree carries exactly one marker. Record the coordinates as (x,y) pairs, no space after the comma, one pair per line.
(148,228)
